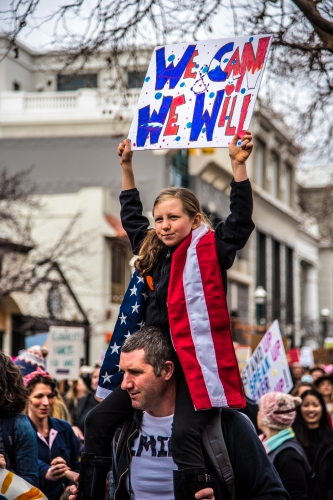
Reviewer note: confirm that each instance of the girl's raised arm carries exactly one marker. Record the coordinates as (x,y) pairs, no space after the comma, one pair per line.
(125,153)
(239,154)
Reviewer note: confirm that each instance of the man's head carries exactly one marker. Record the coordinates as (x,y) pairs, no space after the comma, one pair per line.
(148,361)
(316,372)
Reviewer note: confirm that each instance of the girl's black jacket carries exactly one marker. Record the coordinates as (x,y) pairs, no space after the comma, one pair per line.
(231,235)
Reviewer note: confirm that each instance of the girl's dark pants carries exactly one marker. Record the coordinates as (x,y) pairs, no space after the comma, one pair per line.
(102,421)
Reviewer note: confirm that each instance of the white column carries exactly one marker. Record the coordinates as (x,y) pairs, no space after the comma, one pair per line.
(311,302)
(297,300)
(7,338)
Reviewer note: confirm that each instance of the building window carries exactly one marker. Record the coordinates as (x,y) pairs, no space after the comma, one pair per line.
(16,86)
(118,270)
(289,287)
(260,159)
(179,175)
(275,175)
(135,79)
(75,82)
(276,280)
(288,184)
(261,260)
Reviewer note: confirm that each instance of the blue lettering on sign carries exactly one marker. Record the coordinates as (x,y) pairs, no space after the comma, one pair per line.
(216,74)
(266,362)
(152,124)
(171,72)
(202,118)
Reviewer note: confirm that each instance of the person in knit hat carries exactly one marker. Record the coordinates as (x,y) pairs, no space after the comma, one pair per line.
(30,359)
(277,412)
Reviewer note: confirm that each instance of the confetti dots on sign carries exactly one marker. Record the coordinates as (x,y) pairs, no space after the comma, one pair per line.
(182,84)
(171,58)
(226,60)
(177,138)
(251,39)
(147,78)
(239,143)
(189,124)
(243,90)
(158,95)
(211,94)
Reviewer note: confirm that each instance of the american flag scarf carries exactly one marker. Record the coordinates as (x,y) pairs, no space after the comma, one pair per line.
(199,325)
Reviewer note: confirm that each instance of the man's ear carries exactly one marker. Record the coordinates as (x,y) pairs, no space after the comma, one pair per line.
(169,370)
(196,221)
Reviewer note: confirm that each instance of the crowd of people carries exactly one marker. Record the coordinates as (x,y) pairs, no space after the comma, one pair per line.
(169,426)
(296,431)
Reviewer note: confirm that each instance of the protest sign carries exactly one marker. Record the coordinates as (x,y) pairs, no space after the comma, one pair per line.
(243,353)
(65,351)
(13,487)
(306,357)
(267,370)
(200,94)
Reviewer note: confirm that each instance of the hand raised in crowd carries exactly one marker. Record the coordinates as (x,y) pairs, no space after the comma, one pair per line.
(57,470)
(125,152)
(73,489)
(78,433)
(205,494)
(240,153)
(2,462)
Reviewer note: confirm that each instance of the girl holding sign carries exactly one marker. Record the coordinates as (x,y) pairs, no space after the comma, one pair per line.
(183,264)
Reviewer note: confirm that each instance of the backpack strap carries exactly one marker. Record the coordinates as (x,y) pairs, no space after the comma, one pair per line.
(8,424)
(214,444)
(295,445)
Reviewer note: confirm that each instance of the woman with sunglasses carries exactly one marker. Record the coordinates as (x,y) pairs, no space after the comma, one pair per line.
(58,447)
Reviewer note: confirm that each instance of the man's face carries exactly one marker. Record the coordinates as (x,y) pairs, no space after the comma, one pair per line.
(145,389)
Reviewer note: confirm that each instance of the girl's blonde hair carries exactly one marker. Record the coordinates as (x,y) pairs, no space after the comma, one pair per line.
(152,246)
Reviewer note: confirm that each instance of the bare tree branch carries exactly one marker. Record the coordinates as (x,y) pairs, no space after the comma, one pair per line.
(25,265)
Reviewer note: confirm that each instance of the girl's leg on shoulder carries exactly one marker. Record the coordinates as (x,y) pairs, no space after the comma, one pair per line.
(188,425)
(102,421)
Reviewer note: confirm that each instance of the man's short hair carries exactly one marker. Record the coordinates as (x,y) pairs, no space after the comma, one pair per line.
(157,346)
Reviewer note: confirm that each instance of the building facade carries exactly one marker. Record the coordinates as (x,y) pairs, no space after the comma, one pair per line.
(67,127)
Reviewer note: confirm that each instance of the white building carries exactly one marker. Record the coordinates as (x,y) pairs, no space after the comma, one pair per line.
(62,126)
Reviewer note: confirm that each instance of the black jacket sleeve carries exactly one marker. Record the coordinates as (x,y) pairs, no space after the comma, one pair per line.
(255,476)
(134,223)
(291,470)
(232,234)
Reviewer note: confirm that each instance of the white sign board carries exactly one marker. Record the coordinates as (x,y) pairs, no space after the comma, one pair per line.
(198,95)
(65,351)
(267,370)
(306,356)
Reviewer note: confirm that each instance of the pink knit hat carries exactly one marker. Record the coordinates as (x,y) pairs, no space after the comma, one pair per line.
(278,410)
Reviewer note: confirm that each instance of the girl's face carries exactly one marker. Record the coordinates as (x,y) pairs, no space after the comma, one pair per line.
(172,224)
(94,379)
(311,411)
(40,401)
(326,388)
(81,388)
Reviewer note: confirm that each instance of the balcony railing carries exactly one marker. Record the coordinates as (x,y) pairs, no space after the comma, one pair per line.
(50,100)
(91,103)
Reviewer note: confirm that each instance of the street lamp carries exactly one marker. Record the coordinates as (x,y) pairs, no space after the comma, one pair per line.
(325,314)
(260,295)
